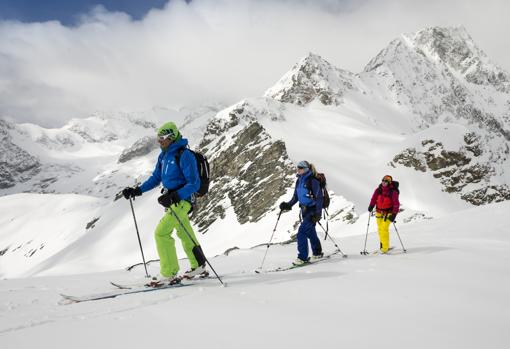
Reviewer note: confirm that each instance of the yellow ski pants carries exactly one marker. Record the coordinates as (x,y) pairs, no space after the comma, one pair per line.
(383,227)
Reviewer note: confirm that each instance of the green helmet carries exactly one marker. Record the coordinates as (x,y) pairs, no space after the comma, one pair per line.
(170,129)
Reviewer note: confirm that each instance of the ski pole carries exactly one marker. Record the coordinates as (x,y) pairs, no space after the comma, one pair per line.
(332,240)
(326,215)
(195,243)
(365,252)
(138,234)
(403,248)
(271,239)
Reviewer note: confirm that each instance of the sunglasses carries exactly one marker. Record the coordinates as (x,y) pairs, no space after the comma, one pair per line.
(162,138)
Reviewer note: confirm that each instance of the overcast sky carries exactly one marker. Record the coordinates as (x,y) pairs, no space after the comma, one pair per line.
(57,66)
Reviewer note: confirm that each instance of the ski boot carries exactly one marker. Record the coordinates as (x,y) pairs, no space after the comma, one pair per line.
(198,272)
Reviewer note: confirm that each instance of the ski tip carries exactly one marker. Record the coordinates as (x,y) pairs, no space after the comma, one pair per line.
(69,299)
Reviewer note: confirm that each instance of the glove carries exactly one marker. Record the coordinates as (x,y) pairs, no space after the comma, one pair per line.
(370,208)
(392,217)
(169,198)
(316,218)
(130,192)
(284,206)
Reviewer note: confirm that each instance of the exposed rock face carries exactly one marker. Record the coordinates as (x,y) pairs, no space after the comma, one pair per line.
(312,78)
(410,158)
(250,171)
(491,193)
(16,165)
(459,171)
(141,147)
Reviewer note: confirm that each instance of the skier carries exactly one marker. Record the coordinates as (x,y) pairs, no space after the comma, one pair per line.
(180,181)
(309,195)
(386,203)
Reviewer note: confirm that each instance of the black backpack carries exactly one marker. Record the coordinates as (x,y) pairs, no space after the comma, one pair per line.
(322,181)
(203,170)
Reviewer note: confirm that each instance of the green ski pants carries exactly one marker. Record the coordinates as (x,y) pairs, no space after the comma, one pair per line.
(165,243)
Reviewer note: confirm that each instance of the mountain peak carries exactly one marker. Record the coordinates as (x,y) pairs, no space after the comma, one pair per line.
(312,78)
(450,45)
(451,48)
(313,59)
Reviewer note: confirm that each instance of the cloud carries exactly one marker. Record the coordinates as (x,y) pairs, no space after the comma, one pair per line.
(205,50)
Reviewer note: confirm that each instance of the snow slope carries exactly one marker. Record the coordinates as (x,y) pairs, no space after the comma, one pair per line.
(431,109)
(449,290)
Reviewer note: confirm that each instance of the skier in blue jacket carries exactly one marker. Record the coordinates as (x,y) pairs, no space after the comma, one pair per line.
(309,195)
(176,169)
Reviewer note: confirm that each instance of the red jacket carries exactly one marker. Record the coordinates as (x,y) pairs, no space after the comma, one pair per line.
(385,199)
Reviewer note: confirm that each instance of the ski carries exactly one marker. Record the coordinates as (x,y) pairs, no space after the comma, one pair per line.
(204,276)
(325,258)
(128,286)
(120,292)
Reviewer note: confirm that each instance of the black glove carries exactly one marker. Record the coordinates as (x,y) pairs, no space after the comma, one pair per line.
(169,198)
(130,192)
(392,217)
(285,206)
(315,218)
(370,208)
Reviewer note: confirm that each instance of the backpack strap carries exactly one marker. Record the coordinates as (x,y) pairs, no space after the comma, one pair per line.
(308,185)
(178,155)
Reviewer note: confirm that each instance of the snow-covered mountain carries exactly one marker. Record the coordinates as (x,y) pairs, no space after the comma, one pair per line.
(431,109)
(83,156)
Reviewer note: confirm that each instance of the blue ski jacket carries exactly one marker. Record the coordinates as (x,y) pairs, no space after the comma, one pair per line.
(182,177)
(306,198)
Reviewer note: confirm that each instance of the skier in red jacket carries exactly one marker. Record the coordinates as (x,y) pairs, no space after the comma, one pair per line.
(385,201)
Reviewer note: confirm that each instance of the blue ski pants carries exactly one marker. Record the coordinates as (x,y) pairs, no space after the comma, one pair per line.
(307,232)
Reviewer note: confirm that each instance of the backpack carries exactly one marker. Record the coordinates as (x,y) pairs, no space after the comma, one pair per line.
(203,170)
(322,181)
